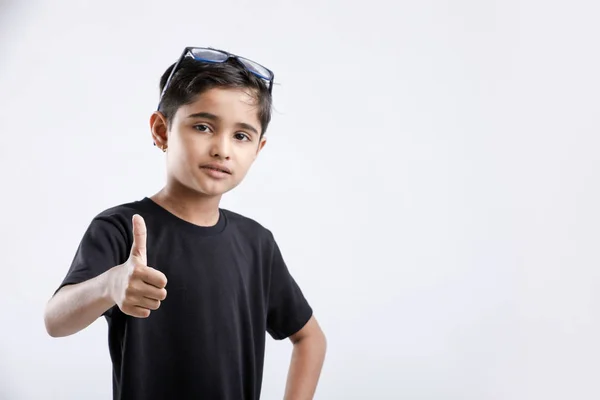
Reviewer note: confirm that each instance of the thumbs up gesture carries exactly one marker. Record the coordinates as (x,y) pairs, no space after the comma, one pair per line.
(134,287)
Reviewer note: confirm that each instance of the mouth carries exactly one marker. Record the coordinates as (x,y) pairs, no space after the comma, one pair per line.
(217,168)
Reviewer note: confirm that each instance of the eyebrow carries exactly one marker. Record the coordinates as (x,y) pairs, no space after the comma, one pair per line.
(216,118)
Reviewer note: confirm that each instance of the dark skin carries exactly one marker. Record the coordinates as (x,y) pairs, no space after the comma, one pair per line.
(221,130)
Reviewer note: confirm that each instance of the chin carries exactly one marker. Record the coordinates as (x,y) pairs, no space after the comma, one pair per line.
(213,189)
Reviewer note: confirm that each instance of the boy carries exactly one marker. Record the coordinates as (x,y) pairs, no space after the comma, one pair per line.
(226,280)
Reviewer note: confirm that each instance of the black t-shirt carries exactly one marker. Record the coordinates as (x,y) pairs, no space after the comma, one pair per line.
(227,286)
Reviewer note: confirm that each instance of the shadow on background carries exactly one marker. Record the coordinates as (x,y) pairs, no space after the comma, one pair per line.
(6,391)
(8,11)
(15,17)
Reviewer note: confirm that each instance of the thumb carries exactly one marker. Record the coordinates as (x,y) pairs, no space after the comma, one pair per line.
(139,237)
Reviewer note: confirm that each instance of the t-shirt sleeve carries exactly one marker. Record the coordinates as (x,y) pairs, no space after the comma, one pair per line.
(103,246)
(288,309)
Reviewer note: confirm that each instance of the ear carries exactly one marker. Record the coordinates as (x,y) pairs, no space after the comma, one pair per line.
(261,144)
(159,128)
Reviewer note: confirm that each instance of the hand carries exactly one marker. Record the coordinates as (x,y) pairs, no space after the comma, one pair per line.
(134,287)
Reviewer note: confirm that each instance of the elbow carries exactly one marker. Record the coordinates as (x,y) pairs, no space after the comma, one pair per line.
(50,323)
(53,329)
(51,332)
(50,328)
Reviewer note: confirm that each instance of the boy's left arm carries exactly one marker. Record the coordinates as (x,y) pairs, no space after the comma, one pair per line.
(307,361)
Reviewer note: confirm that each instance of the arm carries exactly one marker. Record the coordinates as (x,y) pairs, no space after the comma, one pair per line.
(75,307)
(307,361)
(83,295)
(133,286)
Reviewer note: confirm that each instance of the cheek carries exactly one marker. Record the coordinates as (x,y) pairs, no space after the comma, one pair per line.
(182,155)
(188,146)
(247,154)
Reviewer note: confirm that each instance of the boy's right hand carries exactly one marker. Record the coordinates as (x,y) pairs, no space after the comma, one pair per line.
(134,287)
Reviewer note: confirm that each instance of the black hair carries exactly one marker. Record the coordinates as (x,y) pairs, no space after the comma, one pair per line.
(193,78)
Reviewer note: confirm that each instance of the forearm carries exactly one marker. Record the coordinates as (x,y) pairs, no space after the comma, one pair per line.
(75,307)
(305,368)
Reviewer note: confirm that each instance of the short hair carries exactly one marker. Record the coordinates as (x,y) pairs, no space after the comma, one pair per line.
(193,78)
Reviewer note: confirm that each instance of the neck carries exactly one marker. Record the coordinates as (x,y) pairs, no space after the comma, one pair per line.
(189,205)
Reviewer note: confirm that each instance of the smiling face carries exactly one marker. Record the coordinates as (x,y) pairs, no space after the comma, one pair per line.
(212,142)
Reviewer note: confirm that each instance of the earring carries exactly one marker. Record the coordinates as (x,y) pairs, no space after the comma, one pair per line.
(164,149)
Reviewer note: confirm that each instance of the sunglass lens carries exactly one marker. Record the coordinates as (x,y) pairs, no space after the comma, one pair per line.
(208,55)
(256,68)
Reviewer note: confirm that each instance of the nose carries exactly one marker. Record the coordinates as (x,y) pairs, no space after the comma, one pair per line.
(220,147)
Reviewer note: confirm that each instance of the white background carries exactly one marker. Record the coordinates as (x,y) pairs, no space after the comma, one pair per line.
(432,176)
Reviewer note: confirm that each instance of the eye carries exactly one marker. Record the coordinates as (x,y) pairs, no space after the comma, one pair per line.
(202,128)
(242,136)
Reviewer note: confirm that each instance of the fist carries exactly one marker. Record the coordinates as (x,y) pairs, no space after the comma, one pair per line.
(136,288)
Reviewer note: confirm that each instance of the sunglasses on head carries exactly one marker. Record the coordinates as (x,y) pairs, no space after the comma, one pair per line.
(203,54)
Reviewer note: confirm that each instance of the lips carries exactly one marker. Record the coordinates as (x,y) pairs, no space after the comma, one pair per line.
(217,167)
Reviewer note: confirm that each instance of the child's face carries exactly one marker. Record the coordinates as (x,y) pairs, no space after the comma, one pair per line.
(220,129)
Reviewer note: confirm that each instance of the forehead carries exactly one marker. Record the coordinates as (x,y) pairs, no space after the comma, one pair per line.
(232,105)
